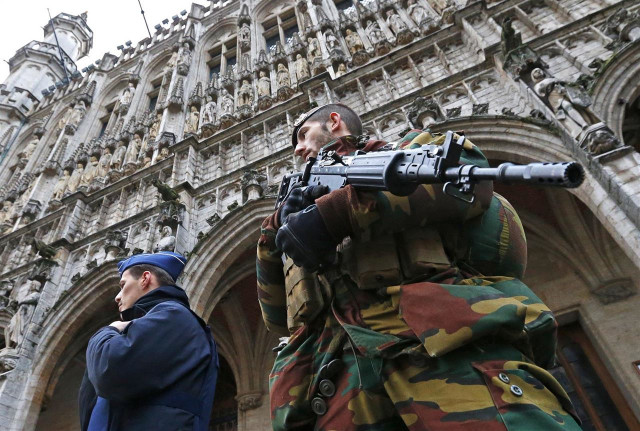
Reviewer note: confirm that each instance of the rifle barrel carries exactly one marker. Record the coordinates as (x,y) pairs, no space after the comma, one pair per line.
(568,174)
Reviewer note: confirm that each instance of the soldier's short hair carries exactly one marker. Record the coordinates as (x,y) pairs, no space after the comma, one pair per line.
(322,114)
(163,277)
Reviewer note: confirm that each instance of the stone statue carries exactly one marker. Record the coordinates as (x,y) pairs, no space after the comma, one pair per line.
(306,20)
(374,32)
(302,68)
(331,41)
(144,159)
(103,163)
(167,242)
(191,125)
(394,22)
(354,43)
(173,62)
(61,185)
(562,103)
(417,13)
(77,114)
(118,156)
(5,213)
(131,156)
(65,117)
(26,301)
(30,148)
(264,85)
(155,127)
(342,69)
(162,154)
(244,35)
(245,94)
(90,172)
(313,50)
(209,112)
(226,102)
(282,76)
(510,38)
(185,55)
(127,94)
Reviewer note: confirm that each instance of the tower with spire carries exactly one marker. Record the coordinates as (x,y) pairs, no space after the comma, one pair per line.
(38,65)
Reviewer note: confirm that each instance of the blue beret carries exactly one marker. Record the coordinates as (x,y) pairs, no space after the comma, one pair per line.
(171,262)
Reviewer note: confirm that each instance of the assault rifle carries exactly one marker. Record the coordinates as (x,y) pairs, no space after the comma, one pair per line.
(400,172)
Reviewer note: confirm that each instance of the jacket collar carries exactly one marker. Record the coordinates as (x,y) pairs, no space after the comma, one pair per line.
(153,298)
(348,144)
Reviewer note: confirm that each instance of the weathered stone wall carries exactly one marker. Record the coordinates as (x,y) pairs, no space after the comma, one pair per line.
(459,67)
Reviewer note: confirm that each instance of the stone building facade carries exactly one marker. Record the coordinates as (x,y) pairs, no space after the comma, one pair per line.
(180,141)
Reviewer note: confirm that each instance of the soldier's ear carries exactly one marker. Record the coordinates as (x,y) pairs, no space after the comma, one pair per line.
(335,120)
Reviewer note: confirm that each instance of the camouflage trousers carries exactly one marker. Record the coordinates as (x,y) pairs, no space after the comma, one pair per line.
(477,387)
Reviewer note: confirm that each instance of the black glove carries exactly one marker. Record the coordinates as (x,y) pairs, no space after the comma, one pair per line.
(305,239)
(299,199)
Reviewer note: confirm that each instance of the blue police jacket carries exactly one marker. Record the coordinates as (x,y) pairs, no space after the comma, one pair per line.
(158,374)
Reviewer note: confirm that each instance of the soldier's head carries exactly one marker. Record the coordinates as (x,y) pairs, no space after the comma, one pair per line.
(316,128)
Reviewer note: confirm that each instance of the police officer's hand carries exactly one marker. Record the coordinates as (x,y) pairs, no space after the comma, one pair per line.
(299,199)
(305,239)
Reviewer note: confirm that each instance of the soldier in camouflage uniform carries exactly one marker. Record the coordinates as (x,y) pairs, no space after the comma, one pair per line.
(419,321)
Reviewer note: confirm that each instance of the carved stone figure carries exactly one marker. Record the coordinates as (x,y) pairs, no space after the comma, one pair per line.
(30,148)
(61,185)
(90,172)
(26,301)
(185,55)
(245,94)
(167,242)
(77,114)
(144,158)
(173,62)
(118,156)
(331,41)
(354,43)
(127,94)
(76,177)
(313,50)
(282,76)
(191,125)
(244,35)
(131,156)
(302,68)
(374,32)
(567,109)
(342,69)
(264,85)
(394,22)
(155,127)
(162,154)
(226,102)
(103,163)
(65,117)
(5,212)
(209,112)
(417,13)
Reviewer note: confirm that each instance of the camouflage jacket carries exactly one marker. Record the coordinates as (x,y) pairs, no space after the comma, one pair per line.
(477,297)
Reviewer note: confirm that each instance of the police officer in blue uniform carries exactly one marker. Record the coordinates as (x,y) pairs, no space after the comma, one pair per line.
(156,369)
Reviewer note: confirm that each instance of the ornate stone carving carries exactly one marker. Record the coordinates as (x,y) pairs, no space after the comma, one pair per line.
(511,39)
(356,48)
(569,103)
(29,149)
(249,401)
(423,19)
(599,139)
(615,290)
(251,184)
(177,94)
(130,163)
(480,109)
(423,112)
(167,241)
(453,112)
(184,61)
(264,91)
(115,243)
(26,302)
(398,27)
(192,122)
(377,38)
(302,68)
(244,36)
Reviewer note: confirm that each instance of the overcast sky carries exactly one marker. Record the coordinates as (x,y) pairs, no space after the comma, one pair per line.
(113,22)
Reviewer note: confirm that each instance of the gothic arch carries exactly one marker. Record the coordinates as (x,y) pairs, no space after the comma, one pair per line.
(212,35)
(528,142)
(617,85)
(63,328)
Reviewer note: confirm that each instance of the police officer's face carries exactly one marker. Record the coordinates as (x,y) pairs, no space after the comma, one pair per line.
(312,136)
(131,289)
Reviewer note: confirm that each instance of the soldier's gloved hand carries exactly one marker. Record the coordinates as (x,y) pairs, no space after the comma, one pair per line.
(305,239)
(299,199)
